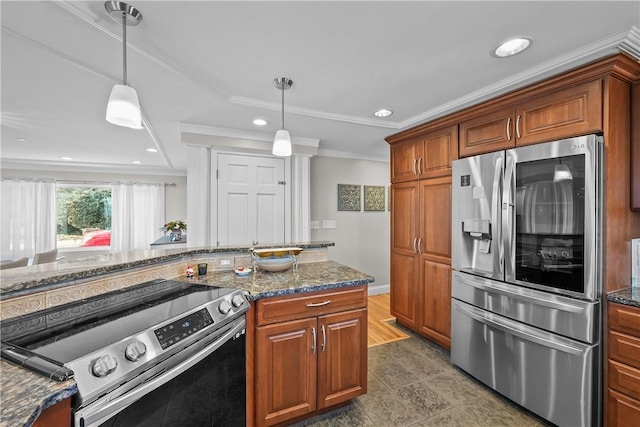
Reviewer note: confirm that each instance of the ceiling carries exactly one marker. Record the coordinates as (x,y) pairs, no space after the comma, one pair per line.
(208,66)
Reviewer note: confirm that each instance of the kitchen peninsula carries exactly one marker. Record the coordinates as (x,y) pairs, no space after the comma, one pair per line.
(49,286)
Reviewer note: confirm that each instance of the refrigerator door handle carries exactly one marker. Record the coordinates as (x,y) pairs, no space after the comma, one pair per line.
(495,220)
(513,328)
(507,218)
(498,289)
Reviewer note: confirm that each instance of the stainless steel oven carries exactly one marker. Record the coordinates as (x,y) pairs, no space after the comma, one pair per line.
(526,285)
(164,353)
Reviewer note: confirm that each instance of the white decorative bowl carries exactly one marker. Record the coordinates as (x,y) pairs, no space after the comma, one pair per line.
(275,263)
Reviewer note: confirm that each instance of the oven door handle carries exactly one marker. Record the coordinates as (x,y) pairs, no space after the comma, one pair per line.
(513,328)
(100,411)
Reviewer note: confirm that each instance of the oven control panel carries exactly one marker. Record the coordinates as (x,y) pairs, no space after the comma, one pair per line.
(183,328)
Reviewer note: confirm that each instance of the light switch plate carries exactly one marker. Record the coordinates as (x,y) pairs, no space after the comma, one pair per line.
(328,223)
(315,225)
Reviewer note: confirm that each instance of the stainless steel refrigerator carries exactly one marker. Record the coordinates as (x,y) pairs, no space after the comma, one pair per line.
(526,285)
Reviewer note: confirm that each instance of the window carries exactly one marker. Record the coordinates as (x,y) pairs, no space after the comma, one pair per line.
(83,215)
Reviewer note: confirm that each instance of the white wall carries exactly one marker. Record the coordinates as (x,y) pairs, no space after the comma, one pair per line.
(361,238)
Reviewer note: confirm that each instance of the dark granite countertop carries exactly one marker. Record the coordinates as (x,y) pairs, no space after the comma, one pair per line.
(308,277)
(24,280)
(626,296)
(24,394)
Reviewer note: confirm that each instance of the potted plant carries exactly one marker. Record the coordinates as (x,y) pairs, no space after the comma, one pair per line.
(175,229)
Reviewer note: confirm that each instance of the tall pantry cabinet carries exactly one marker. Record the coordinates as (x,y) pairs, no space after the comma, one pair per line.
(421,231)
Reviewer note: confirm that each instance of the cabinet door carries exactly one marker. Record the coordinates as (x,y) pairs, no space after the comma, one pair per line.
(58,415)
(435,295)
(404,160)
(622,411)
(342,357)
(286,366)
(569,112)
(404,217)
(404,276)
(489,132)
(435,217)
(440,148)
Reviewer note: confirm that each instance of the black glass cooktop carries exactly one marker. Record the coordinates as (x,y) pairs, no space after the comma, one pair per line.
(69,331)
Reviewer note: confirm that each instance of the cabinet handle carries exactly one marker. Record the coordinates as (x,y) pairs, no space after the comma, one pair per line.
(420,246)
(319,304)
(313,344)
(324,338)
(415,241)
(420,166)
(415,172)
(509,129)
(518,126)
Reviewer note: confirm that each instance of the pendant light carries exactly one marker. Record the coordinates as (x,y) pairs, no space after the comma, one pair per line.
(123,108)
(282,140)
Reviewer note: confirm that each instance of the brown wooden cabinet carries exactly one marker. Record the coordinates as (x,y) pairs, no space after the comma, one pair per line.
(310,353)
(623,365)
(571,111)
(601,97)
(425,156)
(58,415)
(421,238)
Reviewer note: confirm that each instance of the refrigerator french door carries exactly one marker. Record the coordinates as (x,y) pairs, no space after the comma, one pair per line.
(526,275)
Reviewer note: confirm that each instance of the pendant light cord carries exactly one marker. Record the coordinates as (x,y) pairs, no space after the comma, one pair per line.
(283,105)
(124,48)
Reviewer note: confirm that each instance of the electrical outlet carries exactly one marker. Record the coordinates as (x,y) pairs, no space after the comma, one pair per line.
(224,263)
(315,225)
(328,223)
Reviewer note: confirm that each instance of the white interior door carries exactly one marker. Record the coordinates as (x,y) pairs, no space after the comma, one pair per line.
(251,200)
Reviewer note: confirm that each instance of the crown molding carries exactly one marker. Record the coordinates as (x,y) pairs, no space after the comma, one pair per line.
(631,44)
(61,166)
(242,134)
(352,156)
(265,105)
(599,49)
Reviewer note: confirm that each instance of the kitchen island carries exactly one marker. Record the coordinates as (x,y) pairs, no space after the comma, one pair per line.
(25,395)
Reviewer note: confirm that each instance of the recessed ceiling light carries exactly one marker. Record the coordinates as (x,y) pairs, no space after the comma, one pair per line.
(152,150)
(22,139)
(136,162)
(260,122)
(66,158)
(513,46)
(383,113)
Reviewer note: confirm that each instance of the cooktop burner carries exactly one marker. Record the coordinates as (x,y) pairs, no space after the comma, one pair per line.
(71,330)
(157,318)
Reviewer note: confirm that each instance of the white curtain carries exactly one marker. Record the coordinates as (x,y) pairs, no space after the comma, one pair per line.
(137,214)
(27,217)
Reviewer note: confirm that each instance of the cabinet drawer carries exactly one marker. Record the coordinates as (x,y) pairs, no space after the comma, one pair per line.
(624,379)
(622,411)
(624,348)
(624,318)
(299,306)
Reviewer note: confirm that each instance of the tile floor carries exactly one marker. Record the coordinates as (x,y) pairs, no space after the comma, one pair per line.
(413,383)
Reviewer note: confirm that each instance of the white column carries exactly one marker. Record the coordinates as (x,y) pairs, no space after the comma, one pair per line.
(198,196)
(300,198)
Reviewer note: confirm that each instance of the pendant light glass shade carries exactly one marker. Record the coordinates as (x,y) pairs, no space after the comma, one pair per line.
(282,140)
(282,143)
(123,108)
(562,173)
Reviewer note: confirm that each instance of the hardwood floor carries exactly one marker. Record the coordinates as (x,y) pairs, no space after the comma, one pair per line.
(379,329)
